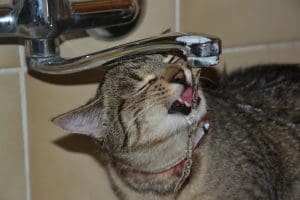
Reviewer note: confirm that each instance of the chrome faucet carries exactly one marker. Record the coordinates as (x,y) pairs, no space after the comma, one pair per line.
(40,23)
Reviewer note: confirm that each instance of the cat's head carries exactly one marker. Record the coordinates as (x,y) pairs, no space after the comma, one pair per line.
(143,104)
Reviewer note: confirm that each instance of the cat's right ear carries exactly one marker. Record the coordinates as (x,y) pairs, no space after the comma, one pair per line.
(83,120)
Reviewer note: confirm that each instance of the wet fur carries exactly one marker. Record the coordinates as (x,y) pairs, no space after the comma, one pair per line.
(251,151)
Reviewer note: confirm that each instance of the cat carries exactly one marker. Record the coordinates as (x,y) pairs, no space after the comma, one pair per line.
(167,135)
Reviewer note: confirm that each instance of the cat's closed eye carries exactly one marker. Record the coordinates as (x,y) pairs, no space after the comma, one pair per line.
(146,82)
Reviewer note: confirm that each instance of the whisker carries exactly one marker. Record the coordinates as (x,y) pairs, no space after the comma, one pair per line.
(208,79)
(207,89)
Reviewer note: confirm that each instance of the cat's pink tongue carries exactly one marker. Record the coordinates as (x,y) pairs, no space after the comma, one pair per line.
(187,95)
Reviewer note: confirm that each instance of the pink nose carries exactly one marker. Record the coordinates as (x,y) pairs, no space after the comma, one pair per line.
(180,75)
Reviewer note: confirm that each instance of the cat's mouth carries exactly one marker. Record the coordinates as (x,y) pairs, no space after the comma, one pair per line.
(188,99)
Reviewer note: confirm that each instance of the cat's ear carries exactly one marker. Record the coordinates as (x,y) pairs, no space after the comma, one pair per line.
(83,120)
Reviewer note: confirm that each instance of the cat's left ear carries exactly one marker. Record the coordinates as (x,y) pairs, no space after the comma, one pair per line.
(83,120)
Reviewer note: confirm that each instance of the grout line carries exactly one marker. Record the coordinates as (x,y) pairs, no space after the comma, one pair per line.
(23,97)
(9,70)
(259,46)
(177,15)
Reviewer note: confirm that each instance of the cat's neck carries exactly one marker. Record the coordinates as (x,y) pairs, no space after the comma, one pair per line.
(179,165)
(160,184)
(166,177)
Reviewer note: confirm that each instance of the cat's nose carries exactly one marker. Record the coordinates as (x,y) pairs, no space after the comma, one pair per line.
(179,77)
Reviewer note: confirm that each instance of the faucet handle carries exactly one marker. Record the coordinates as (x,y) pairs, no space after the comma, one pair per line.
(199,50)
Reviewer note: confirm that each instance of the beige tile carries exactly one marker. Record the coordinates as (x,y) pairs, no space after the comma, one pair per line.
(158,17)
(12,183)
(243,22)
(59,173)
(9,56)
(235,58)
(3,2)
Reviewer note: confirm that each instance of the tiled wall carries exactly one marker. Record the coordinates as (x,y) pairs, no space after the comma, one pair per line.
(39,162)
(12,176)
(12,165)
(252,32)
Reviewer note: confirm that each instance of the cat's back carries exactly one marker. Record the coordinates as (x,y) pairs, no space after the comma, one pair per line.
(253,151)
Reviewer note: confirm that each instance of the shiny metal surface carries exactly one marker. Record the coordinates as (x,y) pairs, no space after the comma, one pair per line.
(198,50)
(39,23)
(34,19)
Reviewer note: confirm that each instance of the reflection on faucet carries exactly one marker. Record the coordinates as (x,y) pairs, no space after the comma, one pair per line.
(197,50)
(39,24)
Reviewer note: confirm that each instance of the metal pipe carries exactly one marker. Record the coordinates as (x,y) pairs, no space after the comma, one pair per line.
(35,19)
(39,23)
(198,50)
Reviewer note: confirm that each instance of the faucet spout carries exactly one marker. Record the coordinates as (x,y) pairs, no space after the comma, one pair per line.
(198,50)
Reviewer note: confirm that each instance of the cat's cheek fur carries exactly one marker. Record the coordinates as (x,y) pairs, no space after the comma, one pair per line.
(175,92)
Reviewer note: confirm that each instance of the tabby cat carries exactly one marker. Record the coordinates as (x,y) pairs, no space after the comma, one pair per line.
(165,137)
